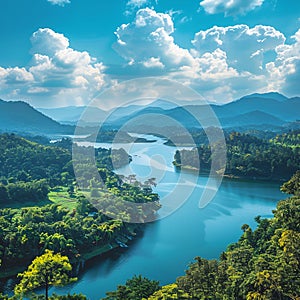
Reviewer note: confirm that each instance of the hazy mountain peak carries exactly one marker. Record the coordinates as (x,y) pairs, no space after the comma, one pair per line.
(271,95)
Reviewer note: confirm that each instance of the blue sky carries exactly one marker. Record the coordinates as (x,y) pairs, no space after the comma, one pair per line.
(63,52)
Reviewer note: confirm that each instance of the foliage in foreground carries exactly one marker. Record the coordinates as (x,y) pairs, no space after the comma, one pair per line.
(46,270)
(136,288)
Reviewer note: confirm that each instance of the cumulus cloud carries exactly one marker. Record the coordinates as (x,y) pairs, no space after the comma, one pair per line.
(222,63)
(241,58)
(149,37)
(284,72)
(230,8)
(133,5)
(137,3)
(246,60)
(59,2)
(47,42)
(15,75)
(245,47)
(153,62)
(57,71)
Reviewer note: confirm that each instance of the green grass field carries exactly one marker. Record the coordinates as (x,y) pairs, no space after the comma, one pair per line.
(61,197)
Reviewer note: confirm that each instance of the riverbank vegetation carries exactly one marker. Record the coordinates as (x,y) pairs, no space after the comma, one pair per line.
(249,156)
(44,209)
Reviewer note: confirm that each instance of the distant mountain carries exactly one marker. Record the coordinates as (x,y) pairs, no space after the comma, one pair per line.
(251,119)
(271,95)
(19,116)
(63,114)
(71,114)
(148,115)
(271,110)
(119,112)
(163,104)
(257,110)
(285,109)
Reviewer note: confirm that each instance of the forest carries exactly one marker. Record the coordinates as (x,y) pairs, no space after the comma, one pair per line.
(249,156)
(43,208)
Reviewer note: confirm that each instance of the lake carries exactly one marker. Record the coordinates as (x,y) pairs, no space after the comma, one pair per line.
(167,246)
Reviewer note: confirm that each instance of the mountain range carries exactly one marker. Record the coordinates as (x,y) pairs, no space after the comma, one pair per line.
(261,111)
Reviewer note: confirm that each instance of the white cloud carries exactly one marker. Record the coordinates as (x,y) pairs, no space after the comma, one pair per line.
(230,8)
(47,42)
(153,62)
(222,63)
(59,2)
(284,72)
(137,3)
(133,5)
(15,75)
(245,47)
(236,57)
(241,58)
(57,72)
(148,37)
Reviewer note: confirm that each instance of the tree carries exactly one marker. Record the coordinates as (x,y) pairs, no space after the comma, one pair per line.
(170,291)
(136,288)
(293,185)
(44,271)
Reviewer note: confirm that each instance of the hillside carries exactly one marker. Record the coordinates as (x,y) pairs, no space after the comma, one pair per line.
(253,118)
(285,109)
(18,116)
(249,156)
(257,110)
(270,111)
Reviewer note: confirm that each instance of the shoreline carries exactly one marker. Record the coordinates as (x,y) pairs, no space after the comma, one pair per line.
(84,257)
(14,271)
(227,176)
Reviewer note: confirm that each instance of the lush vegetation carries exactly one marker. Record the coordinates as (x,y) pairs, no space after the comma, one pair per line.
(134,289)
(46,270)
(250,156)
(26,161)
(26,233)
(263,265)
(71,226)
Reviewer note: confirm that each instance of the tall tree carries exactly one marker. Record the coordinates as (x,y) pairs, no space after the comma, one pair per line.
(46,270)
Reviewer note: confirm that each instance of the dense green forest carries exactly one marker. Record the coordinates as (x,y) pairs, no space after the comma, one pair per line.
(31,173)
(250,156)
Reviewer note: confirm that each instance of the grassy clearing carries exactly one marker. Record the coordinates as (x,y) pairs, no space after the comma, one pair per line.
(61,197)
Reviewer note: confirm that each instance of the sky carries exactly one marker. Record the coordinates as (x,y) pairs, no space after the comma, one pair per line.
(64,52)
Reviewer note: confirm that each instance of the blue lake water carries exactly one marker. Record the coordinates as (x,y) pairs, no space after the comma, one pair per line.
(167,246)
